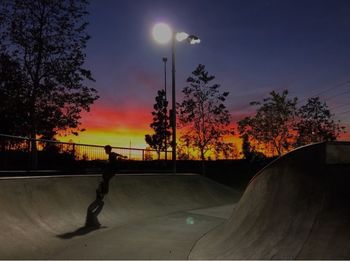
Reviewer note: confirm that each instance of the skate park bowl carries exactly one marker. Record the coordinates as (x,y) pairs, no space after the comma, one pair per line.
(144,216)
(297,207)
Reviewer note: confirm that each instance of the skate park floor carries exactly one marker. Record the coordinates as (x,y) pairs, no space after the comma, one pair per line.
(144,217)
(166,237)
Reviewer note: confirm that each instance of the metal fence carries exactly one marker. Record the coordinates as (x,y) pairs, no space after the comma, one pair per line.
(15,151)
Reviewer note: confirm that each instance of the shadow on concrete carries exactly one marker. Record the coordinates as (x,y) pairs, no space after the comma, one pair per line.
(80,232)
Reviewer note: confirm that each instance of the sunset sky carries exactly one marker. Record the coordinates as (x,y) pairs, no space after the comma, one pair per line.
(252,47)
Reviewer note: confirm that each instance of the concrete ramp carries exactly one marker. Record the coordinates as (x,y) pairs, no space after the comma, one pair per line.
(144,217)
(298,207)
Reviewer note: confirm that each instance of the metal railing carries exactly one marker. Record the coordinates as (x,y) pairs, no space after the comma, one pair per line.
(18,151)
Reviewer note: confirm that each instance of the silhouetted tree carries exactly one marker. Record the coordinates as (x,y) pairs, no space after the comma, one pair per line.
(316,123)
(246,147)
(160,125)
(47,38)
(183,149)
(14,102)
(203,116)
(273,124)
(250,153)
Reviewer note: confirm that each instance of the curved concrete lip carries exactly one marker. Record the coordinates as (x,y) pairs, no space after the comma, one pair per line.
(297,207)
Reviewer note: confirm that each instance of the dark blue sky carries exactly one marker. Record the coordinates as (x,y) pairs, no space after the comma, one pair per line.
(252,47)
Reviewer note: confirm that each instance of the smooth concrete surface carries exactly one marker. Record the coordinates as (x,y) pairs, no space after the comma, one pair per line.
(338,153)
(298,207)
(145,217)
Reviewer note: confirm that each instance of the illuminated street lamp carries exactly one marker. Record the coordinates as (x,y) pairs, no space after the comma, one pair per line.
(163,34)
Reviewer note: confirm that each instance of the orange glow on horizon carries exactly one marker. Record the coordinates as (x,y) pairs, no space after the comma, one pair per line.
(123,128)
(106,118)
(114,126)
(128,127)
(133,138)
(344,136)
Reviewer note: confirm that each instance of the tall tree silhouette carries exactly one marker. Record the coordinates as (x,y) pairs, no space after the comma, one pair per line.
(316,123)
(279,125)
(203,115)
(160,125)
(47,38)
(271,128)
(13,109)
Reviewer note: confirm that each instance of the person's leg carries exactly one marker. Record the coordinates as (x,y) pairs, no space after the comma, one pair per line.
(96,207)
(105,186)
(92,212)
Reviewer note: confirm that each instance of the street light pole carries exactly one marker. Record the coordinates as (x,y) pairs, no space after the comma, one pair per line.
(165,59)
(173,116)
(163,34)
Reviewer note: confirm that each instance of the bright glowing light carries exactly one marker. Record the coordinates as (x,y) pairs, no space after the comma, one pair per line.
(162,33)
(181,36)
(195,41)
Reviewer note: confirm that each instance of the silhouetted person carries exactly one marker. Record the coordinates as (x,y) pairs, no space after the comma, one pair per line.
(96,206)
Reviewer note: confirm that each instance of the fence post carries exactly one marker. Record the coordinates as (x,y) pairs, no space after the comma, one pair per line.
(34,154)
(143,155)
(74,150)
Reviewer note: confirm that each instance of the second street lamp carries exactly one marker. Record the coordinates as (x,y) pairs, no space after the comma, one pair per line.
(163,34)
